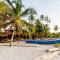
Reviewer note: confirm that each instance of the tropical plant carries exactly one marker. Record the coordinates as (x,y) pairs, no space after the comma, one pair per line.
(45,19)
(46,31)
(4,8)
(42,17)
(56,28)
(31,13)
(31,17)
(17,12)
(3,13)
(39,27)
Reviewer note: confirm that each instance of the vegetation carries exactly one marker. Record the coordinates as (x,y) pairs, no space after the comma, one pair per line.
(13,12)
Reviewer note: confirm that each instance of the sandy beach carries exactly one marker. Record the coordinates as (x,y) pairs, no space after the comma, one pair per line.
(28,52)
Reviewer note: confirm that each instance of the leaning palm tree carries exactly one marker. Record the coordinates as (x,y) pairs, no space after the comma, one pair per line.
(17,12)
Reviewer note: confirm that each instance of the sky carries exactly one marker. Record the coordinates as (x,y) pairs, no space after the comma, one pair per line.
(51,8)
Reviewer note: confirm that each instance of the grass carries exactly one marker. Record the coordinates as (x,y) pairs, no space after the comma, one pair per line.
(57,45)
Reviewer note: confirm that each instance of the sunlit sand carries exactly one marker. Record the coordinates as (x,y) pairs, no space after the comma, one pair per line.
(27,52)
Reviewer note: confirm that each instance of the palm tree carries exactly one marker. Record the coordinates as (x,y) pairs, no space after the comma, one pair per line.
(47,20)
(46,31)
(3,13)
(56,27)
(31,17)
(42,20)
(32,13)
(17,13)
(39,27)
(3,8)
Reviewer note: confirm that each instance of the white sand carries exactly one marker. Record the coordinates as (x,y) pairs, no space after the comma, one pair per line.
(27,52)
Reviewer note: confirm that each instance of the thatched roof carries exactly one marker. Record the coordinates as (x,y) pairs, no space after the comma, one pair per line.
(10,27)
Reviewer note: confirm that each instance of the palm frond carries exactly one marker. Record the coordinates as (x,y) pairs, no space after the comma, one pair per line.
(9,2)
(18,7)
(42,16)
(29,11)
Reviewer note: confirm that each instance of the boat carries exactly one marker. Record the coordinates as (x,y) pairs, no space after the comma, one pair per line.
(58,41)
(43,41)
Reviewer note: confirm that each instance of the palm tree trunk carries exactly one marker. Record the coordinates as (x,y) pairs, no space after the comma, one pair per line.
(29,35)
(12,38)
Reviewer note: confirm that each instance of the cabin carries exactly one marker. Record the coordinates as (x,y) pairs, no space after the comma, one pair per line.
(7,35)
